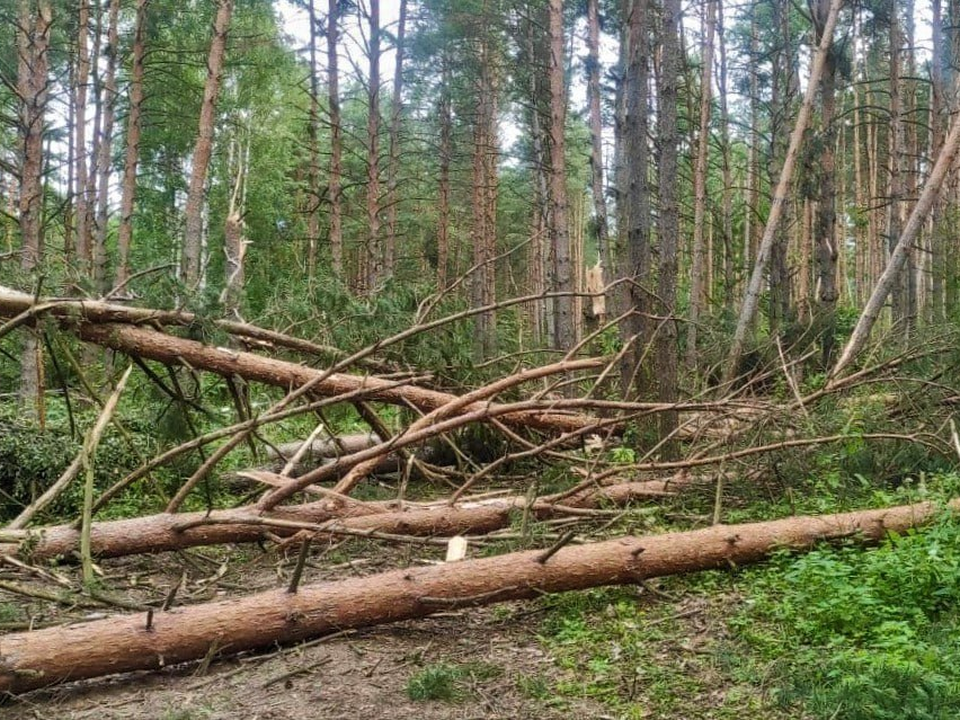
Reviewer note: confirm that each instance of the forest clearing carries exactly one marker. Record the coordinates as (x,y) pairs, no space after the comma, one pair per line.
(483,359)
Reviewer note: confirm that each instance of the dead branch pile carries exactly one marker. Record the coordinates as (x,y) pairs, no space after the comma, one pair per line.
(307,491)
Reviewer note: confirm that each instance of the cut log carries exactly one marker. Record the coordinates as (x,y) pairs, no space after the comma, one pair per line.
(164,532)
(119,644)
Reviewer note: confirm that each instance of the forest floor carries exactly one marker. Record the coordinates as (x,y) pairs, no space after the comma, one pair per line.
(539,659)
(813,635)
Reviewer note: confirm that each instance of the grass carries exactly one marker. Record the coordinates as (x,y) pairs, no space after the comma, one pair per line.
(449,682)
(839,633)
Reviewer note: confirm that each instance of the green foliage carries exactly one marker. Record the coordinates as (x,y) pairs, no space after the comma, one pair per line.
(860,635)
(436,682)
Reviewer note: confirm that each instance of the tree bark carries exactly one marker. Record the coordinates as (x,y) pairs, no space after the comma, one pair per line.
(167,532)
(596,137)
(313,191)
(83,233)
(668,142)
(827,251)
(751,298)
(153,345)
(634,199)
(561,266)
(393,171)
(698,290)
(191,271)
(35,19)
(375,251)
(131,642)
(443,190)
(336,143)
(132,155)
(105,152)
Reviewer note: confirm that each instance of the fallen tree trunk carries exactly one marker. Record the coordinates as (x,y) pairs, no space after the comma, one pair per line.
(171,350)
(25,309)
(118,644)
(177,531)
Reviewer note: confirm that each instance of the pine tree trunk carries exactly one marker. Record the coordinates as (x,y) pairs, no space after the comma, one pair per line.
(105,148)
(698,294)
(132,153)
(35,19)
(191,271)
(561,267)
(596,137)
(336,143)
(138,642)
(375,250)
(751,298)
(393,171)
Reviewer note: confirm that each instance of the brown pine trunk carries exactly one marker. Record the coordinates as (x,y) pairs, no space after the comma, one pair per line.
(898,298)
(105,148)
(35,19)
(561,266)
(729,279)
(827,250)
(668,142)
(393,170)
(483,200)
(375,251)
(596,137)
(698,293)
(446,155)
(336,143)
(191,271)
(751,298)
(634,200)
(83,245)
(167,532)
(144,642)
(937,111)
(132,155)
(313,130)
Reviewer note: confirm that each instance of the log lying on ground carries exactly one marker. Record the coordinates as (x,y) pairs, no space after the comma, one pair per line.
(178,531)
(171,350)
(35,659)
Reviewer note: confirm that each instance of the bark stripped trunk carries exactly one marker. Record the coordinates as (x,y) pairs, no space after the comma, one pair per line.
(138,642)
(132,155)
(35,19)
(234,240)
(191,271)
(336,144)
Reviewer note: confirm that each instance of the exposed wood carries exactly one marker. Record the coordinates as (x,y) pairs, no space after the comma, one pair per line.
(125,643)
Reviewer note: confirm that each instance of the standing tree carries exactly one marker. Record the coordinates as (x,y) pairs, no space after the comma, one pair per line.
(190,271)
